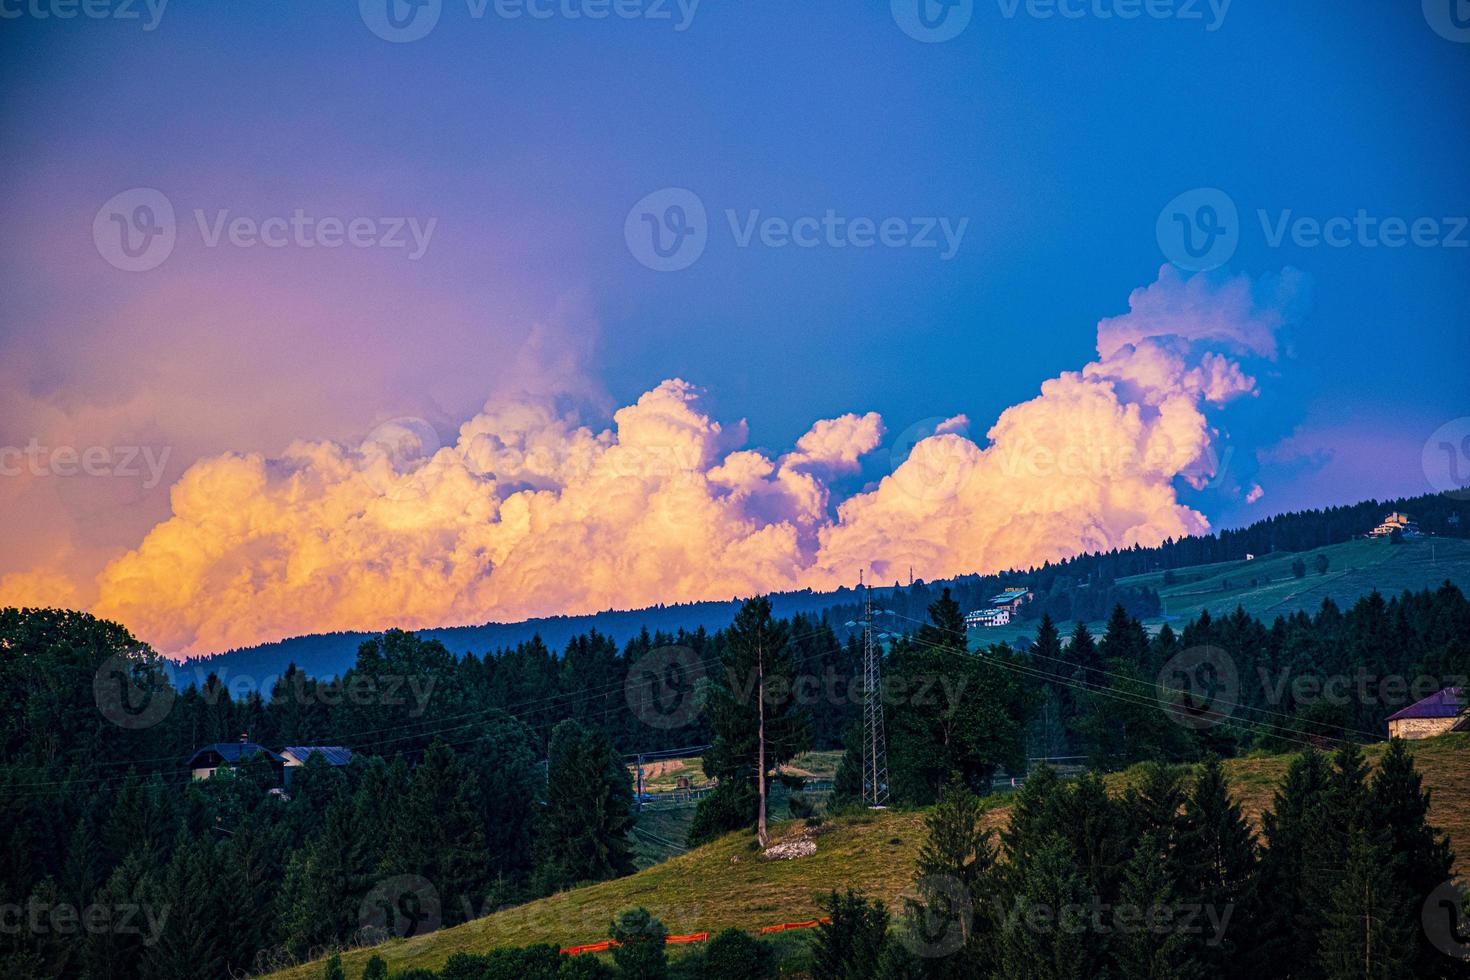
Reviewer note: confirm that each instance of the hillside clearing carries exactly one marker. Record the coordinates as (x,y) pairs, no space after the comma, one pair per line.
(727,884)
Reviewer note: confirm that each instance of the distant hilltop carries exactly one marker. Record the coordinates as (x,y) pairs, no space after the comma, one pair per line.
(1090,582)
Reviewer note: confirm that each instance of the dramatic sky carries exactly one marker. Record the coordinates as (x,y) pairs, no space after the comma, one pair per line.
(1044,278)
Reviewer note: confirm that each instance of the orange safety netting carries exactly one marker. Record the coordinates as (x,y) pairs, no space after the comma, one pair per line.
(693,937)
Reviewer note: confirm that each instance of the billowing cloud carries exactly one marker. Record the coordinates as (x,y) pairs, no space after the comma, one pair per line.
(528,511)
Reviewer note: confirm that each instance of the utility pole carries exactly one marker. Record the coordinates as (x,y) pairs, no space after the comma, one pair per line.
(875,742)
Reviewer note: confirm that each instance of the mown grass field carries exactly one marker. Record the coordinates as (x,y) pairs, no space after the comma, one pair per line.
(727,883)
(1266,588)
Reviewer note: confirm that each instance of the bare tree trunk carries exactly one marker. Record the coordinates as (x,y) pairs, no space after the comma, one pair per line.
(760,673)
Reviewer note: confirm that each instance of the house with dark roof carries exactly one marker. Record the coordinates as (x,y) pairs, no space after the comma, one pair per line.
(226,755)
(1444,711)
(296,756)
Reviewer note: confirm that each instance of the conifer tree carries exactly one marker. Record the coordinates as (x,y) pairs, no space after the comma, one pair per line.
(1420,857)
(437,834)
(851,943)
(1139,952)
(1217,860)
(192,943)
(758,724)
(1371,923)
(1035,942)
(957,886)
(1293,866)
(582,830)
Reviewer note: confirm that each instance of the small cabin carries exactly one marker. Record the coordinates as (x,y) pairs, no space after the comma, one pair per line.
(1445,711)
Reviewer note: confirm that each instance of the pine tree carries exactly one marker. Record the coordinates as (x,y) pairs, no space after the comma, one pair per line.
(436,833)
(582,830)
(1217,861)
(1297,858)
(1154,806)
(851,943)
(1035,943)
(192,945)
(1370,923)
(1092,824)
(1035,818)
(758,724)
(1138,951)
(958,712)
(1421,859)
(957,887)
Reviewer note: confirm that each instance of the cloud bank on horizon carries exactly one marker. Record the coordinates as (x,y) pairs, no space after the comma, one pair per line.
(530,512)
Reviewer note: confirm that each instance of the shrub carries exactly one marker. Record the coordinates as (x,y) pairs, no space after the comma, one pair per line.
(737,955)
(640,950)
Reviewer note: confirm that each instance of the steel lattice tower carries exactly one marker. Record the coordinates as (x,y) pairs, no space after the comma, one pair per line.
(875,741)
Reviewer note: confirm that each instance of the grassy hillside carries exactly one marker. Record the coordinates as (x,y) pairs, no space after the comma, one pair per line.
(728,884)
(1355,568)
(1266,587)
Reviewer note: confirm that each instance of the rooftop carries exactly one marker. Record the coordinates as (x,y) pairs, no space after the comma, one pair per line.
(1444,704)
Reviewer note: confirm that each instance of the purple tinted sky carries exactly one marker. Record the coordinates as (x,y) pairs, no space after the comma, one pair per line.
(529,140)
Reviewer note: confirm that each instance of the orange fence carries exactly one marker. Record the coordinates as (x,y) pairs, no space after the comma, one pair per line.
(693,937)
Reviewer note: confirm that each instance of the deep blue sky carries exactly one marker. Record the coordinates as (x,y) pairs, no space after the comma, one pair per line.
(1060,141)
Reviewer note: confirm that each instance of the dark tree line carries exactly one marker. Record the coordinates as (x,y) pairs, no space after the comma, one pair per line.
(1168,882)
